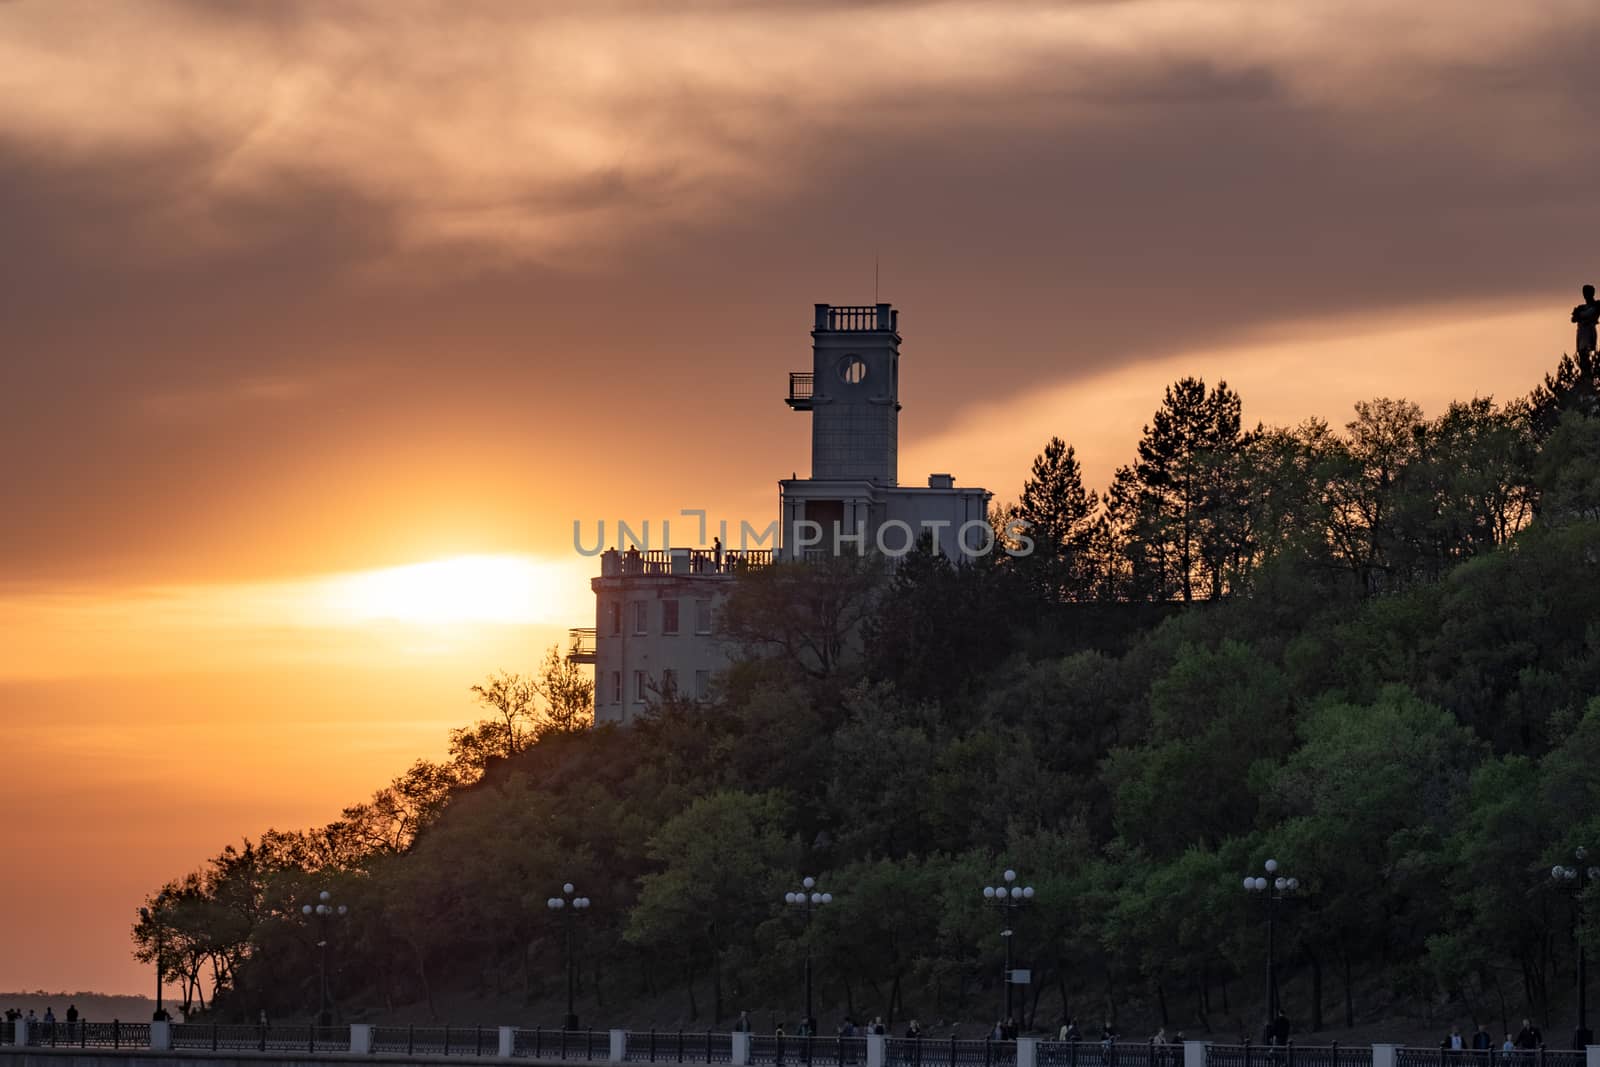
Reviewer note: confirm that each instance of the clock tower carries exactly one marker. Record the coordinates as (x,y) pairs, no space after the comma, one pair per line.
(852,393)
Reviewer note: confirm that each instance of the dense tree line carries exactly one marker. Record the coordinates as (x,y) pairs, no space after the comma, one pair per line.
(1387,675)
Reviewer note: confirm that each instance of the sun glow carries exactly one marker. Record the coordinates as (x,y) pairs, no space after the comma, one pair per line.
(495,589)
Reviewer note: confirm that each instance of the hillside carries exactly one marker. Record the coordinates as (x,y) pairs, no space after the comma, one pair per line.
(1372,655)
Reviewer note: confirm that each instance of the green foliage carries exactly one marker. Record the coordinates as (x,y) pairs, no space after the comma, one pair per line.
(807,616)
(1568,473)
(1388,678)
(1215,714)
(720,862)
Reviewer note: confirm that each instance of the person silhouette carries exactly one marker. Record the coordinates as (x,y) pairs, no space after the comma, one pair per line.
(1586,315)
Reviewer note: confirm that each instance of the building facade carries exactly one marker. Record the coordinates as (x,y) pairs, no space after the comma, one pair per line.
(655,628)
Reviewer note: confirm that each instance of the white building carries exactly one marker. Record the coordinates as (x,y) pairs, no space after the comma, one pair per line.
(655,611)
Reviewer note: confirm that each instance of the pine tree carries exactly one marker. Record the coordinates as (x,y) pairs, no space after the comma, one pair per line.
(1059,514)
(1185,505)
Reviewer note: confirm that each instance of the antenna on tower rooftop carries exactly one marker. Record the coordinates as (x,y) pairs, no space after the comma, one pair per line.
(874,276)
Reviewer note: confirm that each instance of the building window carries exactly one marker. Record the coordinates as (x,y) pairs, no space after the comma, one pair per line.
(669,683)
(702,685)
(702,616)
(616,687)
(669,616)
(616,617)
(641,616)
(640,681)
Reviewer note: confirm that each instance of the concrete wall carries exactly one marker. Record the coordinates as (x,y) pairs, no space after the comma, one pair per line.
(951,507)
(618,655)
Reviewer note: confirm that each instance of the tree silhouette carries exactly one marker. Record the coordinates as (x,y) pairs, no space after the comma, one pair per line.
(1060,516)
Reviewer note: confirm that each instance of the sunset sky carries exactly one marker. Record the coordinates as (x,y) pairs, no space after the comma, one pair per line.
(292,293)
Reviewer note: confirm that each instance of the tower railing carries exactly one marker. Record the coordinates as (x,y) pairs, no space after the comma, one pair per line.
(834,318)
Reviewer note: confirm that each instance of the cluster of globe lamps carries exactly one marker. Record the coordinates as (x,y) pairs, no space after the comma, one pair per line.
(1259,884)
(557,903)
(1009,891)
(322,907)
(809,895)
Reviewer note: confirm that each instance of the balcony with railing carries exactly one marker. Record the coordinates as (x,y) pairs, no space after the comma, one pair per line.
(801,384)
(581,644)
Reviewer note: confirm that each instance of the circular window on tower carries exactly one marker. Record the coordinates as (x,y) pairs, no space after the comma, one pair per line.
(853,370)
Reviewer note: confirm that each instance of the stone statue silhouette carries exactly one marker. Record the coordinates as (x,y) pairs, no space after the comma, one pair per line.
(1586,315)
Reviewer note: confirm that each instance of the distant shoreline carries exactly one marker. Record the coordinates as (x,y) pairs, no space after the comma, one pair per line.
(100,1007)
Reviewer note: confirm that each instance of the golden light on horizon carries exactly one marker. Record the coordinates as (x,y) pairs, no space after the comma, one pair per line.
(461,589)
(444,607)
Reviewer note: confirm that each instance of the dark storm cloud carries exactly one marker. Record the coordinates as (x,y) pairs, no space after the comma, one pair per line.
(328,251)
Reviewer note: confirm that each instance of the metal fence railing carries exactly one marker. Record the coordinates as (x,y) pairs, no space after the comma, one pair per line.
(539,1043)
(679,1046)
(1492,1057)
(237,1037)
(437,1040)
(528,1042)
(805,1050)
(1109,1054)
(1290,1055)
(948,1052)
(764,1050)
(1334,1055)
(83,1034)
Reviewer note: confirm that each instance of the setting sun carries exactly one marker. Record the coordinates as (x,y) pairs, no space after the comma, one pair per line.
(496,589)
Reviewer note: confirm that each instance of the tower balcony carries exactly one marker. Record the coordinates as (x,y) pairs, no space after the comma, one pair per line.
(856,318)
(581,644)
(801,384)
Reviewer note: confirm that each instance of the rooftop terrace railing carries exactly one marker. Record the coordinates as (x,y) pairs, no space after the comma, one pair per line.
(682,562)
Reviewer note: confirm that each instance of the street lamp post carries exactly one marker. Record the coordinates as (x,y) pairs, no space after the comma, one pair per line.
(1275,887)
(150,917)
(570,906)
(324,909)
(1575,880)
(1007,897)
(808,899)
